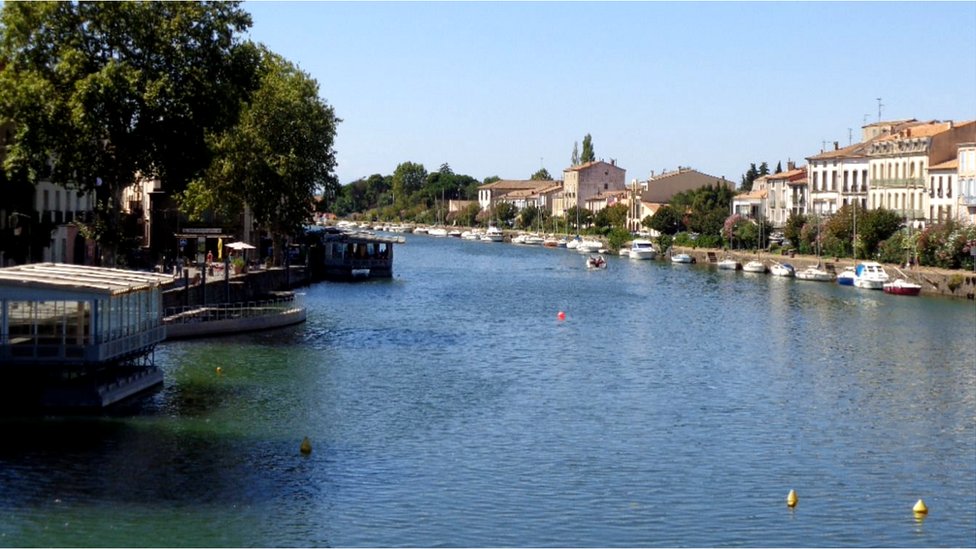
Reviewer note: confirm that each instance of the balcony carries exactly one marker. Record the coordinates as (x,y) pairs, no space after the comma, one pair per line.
(900,183)
(967,200)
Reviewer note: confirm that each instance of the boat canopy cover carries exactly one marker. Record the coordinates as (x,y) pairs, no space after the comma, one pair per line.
(80,279)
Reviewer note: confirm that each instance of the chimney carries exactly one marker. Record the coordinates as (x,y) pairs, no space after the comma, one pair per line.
(790,165)
(836,145)
(950,124)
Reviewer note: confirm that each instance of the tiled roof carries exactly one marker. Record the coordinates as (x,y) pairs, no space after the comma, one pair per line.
(590,164)
(947,165)
(515,184)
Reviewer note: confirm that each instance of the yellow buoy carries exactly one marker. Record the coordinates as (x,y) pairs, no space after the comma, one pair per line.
(306,447)
(791,499)
(220,370)
(920,508)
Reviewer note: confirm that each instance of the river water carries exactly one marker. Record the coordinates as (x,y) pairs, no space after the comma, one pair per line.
(675,405)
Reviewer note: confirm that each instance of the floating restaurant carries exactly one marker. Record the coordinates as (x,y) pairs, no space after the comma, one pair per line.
(340,255)
(79,336)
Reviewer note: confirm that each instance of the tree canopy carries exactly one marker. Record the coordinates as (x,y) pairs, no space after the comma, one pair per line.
(541,175)
(277,157)
(588,155)
(101,93)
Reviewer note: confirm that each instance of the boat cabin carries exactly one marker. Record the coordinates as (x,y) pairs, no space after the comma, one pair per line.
(335,254)
(54,314)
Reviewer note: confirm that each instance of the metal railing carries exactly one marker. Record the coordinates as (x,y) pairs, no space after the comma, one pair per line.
(228,311)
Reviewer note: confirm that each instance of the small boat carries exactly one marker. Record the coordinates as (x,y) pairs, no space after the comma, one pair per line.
(589,246)
(642,249)
(573,244)
(682,258)
(437,231)
(596,262)
(562,243)
(847,277)
(754,266)
(551,242)
(728,264)
(782,269)
(519,239)
(815,274)
(902,287)
(534,240)
(870,276)
(493,234)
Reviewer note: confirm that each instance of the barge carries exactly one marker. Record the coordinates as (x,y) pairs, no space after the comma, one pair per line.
(76,336)
(335,254)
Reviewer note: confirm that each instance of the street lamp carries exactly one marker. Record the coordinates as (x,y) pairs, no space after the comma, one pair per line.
(17,230)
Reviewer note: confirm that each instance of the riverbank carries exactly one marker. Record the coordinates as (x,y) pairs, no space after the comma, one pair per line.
(934,281)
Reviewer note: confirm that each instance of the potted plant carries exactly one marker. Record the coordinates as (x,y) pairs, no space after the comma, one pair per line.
(238,264)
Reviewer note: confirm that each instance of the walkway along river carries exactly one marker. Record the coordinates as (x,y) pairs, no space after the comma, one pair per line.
(674,405)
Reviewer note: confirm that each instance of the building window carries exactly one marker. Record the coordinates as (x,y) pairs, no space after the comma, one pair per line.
(45,208)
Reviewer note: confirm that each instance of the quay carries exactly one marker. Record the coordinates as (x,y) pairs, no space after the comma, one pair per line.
(76,336)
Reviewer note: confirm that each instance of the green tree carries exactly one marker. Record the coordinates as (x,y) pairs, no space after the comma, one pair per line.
(763,169)
(575,159)
(612,217)
(749,177)
(541,175)
(666,220)
(491,179)
(408,178)
(794,224)
(588,153)
(112,91)
(779,167)
(584,216)
(875,227)
(505,213)
(276,158)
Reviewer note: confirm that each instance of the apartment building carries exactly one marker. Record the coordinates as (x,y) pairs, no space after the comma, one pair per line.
(966,178)
(585,181)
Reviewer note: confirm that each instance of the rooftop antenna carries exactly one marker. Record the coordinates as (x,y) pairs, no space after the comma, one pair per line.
(865,121)
(850,136)
(879,109)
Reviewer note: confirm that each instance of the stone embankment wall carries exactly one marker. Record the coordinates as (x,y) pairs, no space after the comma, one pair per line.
(934,281)
(251,286)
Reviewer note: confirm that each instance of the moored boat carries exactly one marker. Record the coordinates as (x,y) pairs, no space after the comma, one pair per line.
(493,234)
(728,264)
(847,277)
(642,249)
(754,266)
(682,258)
(870,276)
(589,246)
(782,269)
(815,274)
(902,287)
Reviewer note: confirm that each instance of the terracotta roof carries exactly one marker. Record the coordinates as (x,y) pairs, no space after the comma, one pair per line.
(797,182)
(590,164)
(789,174)
(751,195)
(927,129)
(513,184)
(947,165)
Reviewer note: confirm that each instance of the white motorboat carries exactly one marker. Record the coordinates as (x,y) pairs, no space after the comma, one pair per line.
(682,258)
(493,234)
(533,240)
(573,244)
(596,262)
(781,269)
(589,246)
(815,274)
(870,276)
(754,266)
(437,231)
(728,264)
(455,233)
(642,249)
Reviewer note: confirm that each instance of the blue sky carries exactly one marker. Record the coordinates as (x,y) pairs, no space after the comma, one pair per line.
(504,88)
